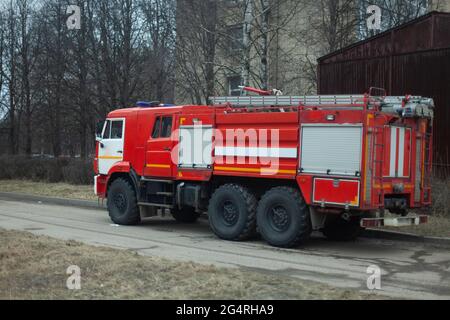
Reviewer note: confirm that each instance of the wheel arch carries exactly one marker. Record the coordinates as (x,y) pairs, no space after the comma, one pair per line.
(125,171)
(258,186)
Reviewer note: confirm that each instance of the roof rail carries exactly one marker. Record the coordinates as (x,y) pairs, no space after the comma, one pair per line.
(266,101)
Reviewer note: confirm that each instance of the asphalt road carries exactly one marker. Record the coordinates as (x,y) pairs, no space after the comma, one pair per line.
(409,270)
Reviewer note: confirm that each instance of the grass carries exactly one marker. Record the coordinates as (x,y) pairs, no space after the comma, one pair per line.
(57,190)
(34,267)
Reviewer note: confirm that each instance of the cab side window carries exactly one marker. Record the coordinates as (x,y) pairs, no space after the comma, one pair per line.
(113,129)
(162,127)
(107,131)
(117,129)
(166,127)
(156,128)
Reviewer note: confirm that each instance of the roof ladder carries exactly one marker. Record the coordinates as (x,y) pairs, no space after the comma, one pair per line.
(265,101)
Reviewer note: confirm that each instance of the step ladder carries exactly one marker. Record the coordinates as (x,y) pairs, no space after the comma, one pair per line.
(378,150)
(160,199)
(428,164)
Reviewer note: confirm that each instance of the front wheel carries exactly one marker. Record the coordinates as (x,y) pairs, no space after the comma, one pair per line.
(283,217)
(122,203)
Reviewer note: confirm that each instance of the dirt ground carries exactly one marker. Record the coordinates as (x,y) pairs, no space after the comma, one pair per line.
(58,190)
(34,267)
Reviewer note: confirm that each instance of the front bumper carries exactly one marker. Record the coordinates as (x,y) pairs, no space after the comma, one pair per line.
(100,186)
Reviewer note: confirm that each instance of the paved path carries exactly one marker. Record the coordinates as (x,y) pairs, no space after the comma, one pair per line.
(410,270)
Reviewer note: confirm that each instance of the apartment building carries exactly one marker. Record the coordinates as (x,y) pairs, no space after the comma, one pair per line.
(273,43)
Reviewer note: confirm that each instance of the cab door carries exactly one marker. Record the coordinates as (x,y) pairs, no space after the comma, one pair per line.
(159,162)
(110,149)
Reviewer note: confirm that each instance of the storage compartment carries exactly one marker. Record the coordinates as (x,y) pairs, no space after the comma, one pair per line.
(331,149)
(336,192)
(195,146)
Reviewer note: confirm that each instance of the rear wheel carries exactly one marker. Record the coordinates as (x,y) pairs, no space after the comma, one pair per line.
(122,203)
(185,215)
(338,229)
(283,217)
(232,212)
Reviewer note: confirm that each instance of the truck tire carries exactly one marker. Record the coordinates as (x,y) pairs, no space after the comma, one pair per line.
(338,229)
(122,203)
(232,213)
(283,217)
(185,215)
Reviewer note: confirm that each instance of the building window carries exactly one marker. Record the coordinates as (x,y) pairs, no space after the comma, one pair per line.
(232,3)
(233,85)
(235,34)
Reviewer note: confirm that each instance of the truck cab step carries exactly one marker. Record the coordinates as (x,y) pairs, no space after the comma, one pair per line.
(167,194)
(158,205)
(157,180)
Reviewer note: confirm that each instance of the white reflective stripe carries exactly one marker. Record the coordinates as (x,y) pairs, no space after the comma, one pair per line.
(393,151)
(401,153)
(290,153)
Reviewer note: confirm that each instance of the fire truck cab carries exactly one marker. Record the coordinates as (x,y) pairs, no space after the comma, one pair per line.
(281,166)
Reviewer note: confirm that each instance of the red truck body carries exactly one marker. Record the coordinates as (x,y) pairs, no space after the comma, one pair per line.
(345,156)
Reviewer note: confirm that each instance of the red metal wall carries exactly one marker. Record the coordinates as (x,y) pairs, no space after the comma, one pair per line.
(410,59)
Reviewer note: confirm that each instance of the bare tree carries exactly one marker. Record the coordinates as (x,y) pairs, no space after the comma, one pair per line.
(24,12)
(11,75)
(336,24)
(159,46)
(196,49)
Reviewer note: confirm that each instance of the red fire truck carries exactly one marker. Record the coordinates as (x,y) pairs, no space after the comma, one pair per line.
(280,166)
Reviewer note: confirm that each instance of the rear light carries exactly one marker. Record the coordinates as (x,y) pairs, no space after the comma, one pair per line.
(423,219)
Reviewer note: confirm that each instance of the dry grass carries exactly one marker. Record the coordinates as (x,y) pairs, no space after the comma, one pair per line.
(436,227)
(34,267)
(58,190)
(441,197)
